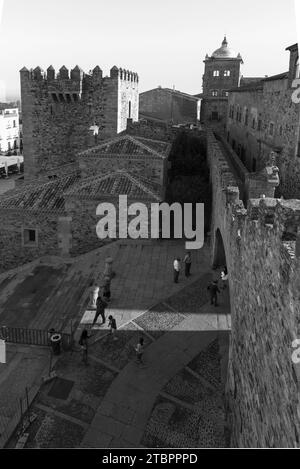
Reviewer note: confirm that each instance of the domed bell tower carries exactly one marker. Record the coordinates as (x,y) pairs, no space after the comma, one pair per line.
(221,73)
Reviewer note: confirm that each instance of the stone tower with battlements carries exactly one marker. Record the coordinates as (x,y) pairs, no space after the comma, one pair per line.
(67,112)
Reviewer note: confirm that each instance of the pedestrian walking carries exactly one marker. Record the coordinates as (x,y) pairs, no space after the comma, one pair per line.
(224,277)
(83,342)
(94,292)
(112,324)
(100,311)
(106,288)
(214,290)
(187,264)
(177,267)
(139,351)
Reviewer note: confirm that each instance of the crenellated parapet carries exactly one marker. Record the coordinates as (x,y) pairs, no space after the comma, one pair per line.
(125,75)
(273,217)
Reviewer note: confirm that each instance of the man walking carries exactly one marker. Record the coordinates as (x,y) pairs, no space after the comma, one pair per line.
(100,311)
(176,266)
(214,290)
(187,264)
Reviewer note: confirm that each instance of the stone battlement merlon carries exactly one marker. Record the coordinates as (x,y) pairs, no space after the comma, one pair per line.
(76,74)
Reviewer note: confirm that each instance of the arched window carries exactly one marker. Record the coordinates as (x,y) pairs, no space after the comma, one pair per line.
(216,73)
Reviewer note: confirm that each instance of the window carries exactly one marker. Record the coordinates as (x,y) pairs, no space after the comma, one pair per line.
(271,129)
(246,116)
(129,109)
(29,237)
(253,123)
(214,93)
(14,123)
(227,73)
(254,165)
(216,73)
(15,144)
(61,97)
(225,93)
(298,150)
(54,97)
(259,125)
(233,144)
(214,115)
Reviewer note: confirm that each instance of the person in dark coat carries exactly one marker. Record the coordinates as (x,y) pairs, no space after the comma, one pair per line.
(213,290)
(100,311)
(83,342)
(187,264)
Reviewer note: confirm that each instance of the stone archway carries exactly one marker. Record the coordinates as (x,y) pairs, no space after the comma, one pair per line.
(219,256)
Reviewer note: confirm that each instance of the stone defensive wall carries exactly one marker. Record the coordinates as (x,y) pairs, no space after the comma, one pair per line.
(66,85)
(259,241)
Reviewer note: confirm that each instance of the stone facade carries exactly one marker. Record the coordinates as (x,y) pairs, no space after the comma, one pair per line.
(60,113)
(170,106)
(222,72)
(261,118)
(59,217)
(261,247)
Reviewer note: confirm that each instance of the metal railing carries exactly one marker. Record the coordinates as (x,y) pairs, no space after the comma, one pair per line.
(22,335)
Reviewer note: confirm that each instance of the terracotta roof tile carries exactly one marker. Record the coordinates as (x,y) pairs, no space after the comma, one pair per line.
(129,146)
(120,182)
(40,197)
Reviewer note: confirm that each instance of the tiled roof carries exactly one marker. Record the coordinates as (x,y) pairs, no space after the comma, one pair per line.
(174,92)
(258,85)
(40,197)
(129,146)
(279,76)
(253,86)
(120,182)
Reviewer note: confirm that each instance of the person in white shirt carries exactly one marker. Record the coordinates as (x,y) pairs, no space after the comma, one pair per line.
(176,269)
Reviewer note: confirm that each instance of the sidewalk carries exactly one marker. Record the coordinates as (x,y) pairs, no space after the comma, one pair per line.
(123,414)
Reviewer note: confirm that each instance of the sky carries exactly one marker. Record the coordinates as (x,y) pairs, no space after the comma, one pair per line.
(164,41)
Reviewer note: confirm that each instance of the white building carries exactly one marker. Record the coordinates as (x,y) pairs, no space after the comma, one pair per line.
(9,131)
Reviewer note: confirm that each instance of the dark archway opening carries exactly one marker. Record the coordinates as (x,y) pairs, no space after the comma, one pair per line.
(219,251)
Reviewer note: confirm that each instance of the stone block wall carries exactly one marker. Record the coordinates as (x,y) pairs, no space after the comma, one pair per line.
(148,128)
(84,220)
(13,253)
(169,106)
(58,112)
(260,245)
(278,131)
